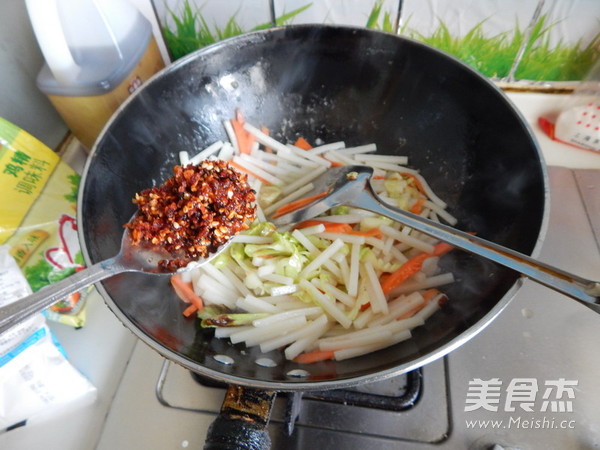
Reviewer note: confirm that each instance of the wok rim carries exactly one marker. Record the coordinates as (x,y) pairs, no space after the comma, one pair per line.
(299,384)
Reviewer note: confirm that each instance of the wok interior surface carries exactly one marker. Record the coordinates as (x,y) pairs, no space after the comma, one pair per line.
(328,83)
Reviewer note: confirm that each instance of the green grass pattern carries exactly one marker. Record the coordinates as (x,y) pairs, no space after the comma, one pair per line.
(493,56)
(191,31)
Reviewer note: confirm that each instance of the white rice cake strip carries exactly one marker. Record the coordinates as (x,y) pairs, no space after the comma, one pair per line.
(378,301)
(326,303)
(280,279)
(309,156)
(288,198)
(231,136)
(251,239)
(394,159)
(313,329)
(226,152)
(345,237)
(305,179)
(368,339)
(363,350)
(354,270)
(307,312)
(407,239)
(252,304)
(441,212)
(204,154)
(326,147)
(255,335)
(338,294)
(265,139)
(358,149)
(283,290)
(184,158)
(321,258)
(431,282)
(257,170)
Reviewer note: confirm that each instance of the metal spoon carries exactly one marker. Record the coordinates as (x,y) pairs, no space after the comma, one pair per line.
(351,186)
(131,258)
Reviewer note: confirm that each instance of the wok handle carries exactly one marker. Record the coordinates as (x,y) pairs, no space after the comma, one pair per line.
(584,291)
(241,424)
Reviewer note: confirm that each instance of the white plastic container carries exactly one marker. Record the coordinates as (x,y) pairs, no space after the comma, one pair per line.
(97,53)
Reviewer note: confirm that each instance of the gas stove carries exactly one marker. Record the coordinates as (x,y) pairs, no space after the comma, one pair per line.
(521,358)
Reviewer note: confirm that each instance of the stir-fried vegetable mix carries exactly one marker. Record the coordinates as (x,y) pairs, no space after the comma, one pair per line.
(337,286)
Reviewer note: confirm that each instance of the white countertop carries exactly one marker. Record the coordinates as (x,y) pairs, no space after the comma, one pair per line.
(533,106)
(103,347)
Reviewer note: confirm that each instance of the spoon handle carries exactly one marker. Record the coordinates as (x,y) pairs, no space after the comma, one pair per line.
(585,291)
(25,307)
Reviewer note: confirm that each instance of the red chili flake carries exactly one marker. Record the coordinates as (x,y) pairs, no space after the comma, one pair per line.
(194,212)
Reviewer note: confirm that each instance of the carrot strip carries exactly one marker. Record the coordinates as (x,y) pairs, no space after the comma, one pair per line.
(429,294)
(244,139)
(333,163)
(442,248)
(314,356)
(411,312)
(297,204)
(247,171)
(334,227)
(373,232)
(417,208)
(418,184)
(302,143)
(411,267)
(331,227)
(379,177)
(187,312)
(185,292)
(406,270)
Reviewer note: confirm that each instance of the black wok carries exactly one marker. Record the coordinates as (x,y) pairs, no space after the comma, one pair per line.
(332,83)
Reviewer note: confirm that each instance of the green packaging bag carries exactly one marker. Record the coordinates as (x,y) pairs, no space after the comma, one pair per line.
(38,217)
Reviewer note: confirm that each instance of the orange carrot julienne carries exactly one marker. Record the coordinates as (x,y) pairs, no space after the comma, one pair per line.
(417,208)
(314,356)
(297,204)
(332,227)
(429,294)
(373,232)
(333,163)
(411,267)
(412,311)
(418,184)
(186,293)
(187,312)
(244,139)
(406,270)
(379,177)
(302,143)
(442,248)
(249,172)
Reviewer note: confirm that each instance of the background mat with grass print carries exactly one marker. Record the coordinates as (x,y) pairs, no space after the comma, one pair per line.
(511,41)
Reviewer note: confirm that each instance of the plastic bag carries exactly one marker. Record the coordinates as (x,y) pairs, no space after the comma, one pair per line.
(35,375)
(37,216)
(578,123)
